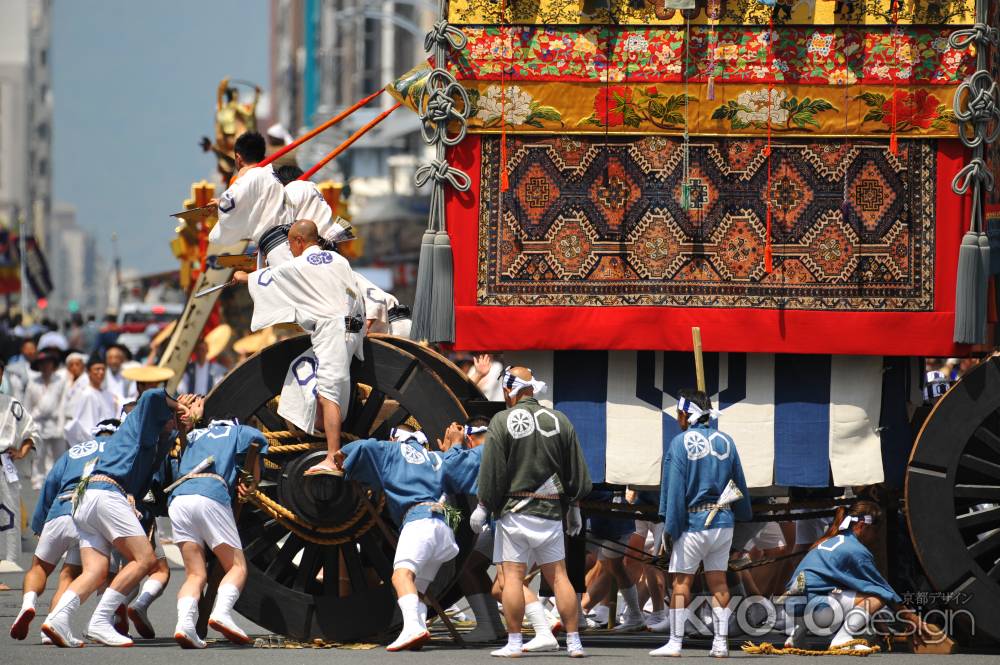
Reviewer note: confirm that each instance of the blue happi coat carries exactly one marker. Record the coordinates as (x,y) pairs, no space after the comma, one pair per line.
(227,441)
(62,480)
(698,465)
(408,474)
(843,562)
(133,453)
(461,468)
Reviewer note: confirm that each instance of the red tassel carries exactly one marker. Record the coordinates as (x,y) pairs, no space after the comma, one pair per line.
(768,248)
(504,180)
(893,144)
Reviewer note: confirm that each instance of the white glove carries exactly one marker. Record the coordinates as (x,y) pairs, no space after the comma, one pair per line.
(480,519)
(574,521)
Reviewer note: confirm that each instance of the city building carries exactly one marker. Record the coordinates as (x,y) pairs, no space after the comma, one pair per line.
(79,273)
(325,56)
(26,118)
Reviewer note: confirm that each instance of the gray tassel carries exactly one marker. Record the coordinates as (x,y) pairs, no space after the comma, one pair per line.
(967,291)
(442,325)
(421,328)
(983,286)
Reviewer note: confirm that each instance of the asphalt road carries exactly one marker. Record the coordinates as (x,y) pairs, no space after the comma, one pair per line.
(440,651)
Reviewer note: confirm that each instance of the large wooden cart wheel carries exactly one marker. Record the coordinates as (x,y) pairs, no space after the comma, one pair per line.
(319,565)
(953,495)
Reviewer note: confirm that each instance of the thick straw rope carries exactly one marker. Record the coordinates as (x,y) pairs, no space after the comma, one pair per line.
(768,649)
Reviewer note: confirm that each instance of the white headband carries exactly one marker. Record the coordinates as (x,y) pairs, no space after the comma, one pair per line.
(103,428)
(695,411)
(471,430)
(402,436)
(516,385)
(846,524)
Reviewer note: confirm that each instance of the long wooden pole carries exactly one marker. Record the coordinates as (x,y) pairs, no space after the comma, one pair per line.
(351,139)
(319,129)
(699,360)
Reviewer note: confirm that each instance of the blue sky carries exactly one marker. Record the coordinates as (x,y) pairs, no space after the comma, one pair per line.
(134,90)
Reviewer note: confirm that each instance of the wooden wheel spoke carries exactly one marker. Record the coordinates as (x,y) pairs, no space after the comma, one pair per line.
(980,518)
(371,547)
(980,492)
(989,438)
(308,567)
(270,419)
(987,545)
(355,569)
(403,382)
(282,566)
(331,571)
(362,425)
(394,419)
(979,465)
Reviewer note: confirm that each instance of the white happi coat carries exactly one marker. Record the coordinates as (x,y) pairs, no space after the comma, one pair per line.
(316,290)
(251,206)
(90,407)
(377,306)
(16,427)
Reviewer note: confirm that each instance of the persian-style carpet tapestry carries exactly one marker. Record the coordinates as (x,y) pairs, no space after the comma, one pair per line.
(626,243)
(646,222)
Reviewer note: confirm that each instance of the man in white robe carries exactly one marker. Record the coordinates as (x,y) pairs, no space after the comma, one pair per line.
(17,436)
(117,358)
(318,291)
(255,202)
(94,404)
(382,310)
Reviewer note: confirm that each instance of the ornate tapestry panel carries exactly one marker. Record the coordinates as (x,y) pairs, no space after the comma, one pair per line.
(642,222)
(737,12)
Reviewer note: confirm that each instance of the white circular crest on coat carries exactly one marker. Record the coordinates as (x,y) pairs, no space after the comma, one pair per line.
(696,445)
(83,449)
(520,423)
(411,454)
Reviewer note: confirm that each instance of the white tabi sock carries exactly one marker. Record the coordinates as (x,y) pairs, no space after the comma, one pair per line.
(855,623)
(514,642)
(720,621)
(678,620)
(151,590)
(28,601)
(68,602)
(187,612)
(631,597)
(225,599)
(422,613)
(573,642)
(535,614)
(110,600)
(409,606)
(600,613)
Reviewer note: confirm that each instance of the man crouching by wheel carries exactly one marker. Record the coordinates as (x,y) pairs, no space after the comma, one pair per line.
(531,459)
(105,516)
(412,480)
(201,515)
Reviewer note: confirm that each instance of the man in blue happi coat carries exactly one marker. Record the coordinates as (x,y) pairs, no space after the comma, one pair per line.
(413,481)
(105,516)
(53,522)
(698,466)
(201,515)
(840,568)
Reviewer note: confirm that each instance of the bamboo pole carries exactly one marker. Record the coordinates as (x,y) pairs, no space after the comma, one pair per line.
(699,360)
(346,144)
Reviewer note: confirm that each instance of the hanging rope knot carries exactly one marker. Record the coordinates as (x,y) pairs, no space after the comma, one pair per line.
(980,33)
(974,174)
(444,34)
(441,172)
(979,120)
(439,107)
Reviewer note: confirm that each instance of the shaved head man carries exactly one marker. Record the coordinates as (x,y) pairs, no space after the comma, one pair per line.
(317,290)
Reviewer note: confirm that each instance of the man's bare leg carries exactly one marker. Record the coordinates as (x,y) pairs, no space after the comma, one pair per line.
(414,633)
(34,584)
(141,560)
(331,428)
(555,575)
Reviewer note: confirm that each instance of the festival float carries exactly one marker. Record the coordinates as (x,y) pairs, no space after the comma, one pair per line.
(808,185)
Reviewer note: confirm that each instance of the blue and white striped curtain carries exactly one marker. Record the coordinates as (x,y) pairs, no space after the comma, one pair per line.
(797,420)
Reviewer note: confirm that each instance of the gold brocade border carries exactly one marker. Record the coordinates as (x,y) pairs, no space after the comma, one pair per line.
(729,12)
(571,108)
